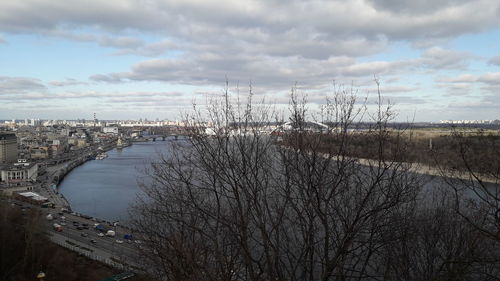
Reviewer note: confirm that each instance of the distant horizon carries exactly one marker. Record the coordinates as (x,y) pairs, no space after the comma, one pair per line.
(444,121)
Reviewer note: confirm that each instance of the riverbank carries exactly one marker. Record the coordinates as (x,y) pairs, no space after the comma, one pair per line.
(56,173)
(107,188)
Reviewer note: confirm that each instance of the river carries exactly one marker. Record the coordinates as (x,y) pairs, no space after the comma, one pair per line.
(105,188)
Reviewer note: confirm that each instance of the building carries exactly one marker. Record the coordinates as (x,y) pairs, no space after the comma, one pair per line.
(39,153)
(8,148)
(18,173)
(31,197)
(110,130)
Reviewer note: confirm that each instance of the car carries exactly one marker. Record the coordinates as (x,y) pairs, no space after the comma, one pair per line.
(93,241)
(84,234)
(62,223)
(79,228)
(100,234)
(119,241)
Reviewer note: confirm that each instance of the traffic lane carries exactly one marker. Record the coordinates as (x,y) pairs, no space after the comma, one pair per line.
(75,221)
(107,242)
(119,230)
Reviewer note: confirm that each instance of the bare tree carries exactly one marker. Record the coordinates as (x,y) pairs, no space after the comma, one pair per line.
(233,202)
(474,175)
(430,241)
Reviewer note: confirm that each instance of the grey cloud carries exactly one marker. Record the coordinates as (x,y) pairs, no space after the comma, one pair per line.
(276,73)
(486,105)
(120,42)
(415,7)
(464,78)
(2,41)
(67,82)
(211,69)
(440,58)
(110,78)
(457,89)
(330,26)
(463,84)
(404,100)
(493,89)
(377,68)
(18,85)
(153,49)
(92,94)
(394,89)
(492,78)
(495,60)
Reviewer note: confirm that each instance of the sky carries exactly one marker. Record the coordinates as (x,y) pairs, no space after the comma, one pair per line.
(131,59)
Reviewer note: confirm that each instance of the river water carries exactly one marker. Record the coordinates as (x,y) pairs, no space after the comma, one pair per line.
(105,188)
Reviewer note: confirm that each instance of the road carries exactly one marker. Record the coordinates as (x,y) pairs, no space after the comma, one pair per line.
(127,248)
(85,240)
(106,249)
(82,235)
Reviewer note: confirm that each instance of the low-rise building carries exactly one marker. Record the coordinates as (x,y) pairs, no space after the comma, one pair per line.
(18,173)
(41,152)
(110,130)
(31,197)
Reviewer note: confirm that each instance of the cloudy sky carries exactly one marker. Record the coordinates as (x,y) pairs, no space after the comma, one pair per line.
(127,59)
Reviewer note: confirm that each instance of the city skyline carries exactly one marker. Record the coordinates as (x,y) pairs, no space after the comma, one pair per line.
(153,59)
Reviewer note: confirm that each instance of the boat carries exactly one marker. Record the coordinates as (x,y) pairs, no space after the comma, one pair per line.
(101,156)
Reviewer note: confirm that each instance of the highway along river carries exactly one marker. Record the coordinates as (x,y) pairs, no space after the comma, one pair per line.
(105,188)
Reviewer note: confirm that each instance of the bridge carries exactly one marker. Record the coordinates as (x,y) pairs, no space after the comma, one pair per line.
(157,137)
